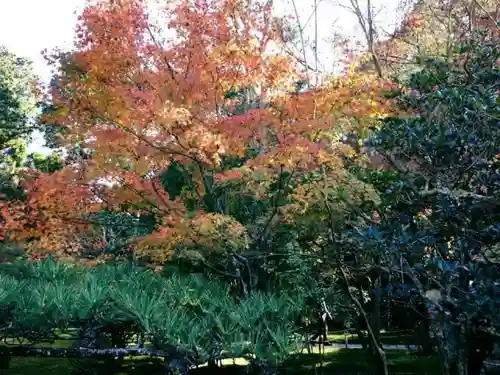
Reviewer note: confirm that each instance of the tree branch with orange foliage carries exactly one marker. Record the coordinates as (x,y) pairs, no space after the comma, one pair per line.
(138,105)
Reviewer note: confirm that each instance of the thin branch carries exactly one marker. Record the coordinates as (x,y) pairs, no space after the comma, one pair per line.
(361,310)
(488,14)
(278,197)
(456,193)
(368,30)
(302,42)
(160,47)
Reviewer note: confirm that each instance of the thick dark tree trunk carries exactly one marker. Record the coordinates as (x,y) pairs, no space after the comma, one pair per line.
(480,348)
(451,347)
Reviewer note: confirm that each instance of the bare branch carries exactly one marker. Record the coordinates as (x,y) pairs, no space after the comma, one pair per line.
(302,41)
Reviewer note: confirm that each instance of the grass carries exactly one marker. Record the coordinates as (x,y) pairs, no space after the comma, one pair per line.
(357,361)
(386,338)
(40,366)
(336,361)
(64,366)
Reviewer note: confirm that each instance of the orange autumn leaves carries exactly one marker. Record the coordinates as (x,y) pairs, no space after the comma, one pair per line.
(50,217)
(139,101)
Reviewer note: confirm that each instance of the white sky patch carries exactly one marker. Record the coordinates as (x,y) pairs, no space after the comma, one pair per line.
(29,26)
(333,18)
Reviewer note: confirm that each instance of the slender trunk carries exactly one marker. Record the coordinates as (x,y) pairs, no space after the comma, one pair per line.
(368,30)
(462,350)
(425,339)
(375,314)
(262,281)
(378,351)
(371,41)
(360,325)
(448,340)
(361,336)
(424,329)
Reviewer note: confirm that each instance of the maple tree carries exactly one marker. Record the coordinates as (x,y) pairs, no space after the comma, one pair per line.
(136,104)
(203,147)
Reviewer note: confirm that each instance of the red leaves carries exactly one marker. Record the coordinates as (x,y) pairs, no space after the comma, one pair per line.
(140,102)
(50,213)
(227,176)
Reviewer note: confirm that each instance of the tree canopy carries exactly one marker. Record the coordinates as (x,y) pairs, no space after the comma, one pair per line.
(210,156)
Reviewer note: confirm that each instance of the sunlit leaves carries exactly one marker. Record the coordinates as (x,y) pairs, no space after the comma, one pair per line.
(136,103)
(202,234)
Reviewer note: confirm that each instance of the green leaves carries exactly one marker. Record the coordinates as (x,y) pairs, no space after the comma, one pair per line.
(174,179)
(443,219)
(187,312)
(17,99)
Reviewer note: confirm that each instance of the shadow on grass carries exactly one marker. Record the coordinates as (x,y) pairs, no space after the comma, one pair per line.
(357,361)
(336,362)
(39,366)
(63,366)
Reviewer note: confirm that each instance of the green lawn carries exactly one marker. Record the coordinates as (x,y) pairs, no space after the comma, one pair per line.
(387,338)
(39,366)
(336,361)
(345,361)
(63,366)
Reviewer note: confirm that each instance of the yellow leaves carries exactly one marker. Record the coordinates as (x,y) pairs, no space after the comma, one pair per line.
(220,231)
(203,234)
(62,112)
(294,153)
(142,105)
(343,150)
(333,195)
(174,118)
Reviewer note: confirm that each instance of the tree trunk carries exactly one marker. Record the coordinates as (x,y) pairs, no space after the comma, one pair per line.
(361,336)
(480,348)
(377,349)
(376,302)
(425,340)
(462,350)
(448,339)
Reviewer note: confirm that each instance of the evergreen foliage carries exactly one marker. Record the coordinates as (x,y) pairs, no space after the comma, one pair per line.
(184,318)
